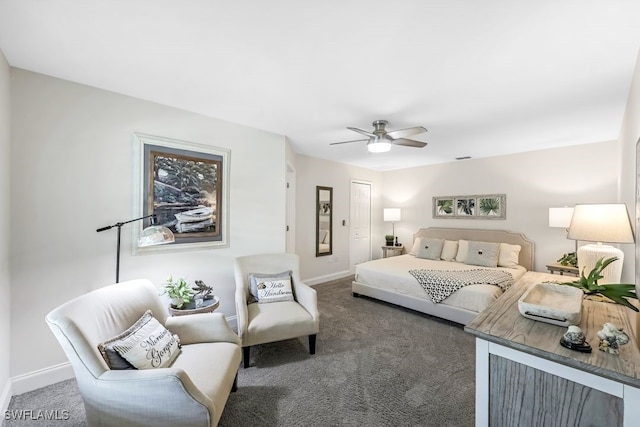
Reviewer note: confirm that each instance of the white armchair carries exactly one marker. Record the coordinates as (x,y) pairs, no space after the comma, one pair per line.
(192,391)
(275,321)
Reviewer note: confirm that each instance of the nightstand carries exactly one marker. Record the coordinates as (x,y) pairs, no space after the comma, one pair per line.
(389,251)
(563,269)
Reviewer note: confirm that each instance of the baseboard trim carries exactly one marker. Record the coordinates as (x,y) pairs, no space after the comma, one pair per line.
(41,378)
(5,397)
(329,277)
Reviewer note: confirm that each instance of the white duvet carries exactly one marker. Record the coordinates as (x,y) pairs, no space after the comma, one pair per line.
(393,275)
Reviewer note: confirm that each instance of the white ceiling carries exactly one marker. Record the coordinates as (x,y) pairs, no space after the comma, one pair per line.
(485,77)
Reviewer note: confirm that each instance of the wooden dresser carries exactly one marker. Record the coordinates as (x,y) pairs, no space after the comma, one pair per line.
(524,377)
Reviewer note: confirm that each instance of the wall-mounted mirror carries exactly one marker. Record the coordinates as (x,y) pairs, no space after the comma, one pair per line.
(324,221)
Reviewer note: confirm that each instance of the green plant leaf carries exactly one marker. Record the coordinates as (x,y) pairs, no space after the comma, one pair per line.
(620,294)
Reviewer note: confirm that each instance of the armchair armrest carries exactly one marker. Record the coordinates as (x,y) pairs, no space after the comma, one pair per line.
(242,312)
(307,297)
(168,397)
(199,328)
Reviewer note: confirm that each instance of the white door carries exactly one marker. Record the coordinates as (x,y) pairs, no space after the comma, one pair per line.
(360,227)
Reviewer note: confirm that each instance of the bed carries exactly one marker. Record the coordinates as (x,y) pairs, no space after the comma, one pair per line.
(389,280)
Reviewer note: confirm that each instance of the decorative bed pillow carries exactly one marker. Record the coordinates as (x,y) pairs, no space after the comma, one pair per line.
(509,255)
(429,248)
(415,247)
(265,288)
(463,248)
(145,345)
(484,254)
(449,250)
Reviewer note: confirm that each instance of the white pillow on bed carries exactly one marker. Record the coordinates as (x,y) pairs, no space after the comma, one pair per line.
(449,250)
(463,249)
(429,248)
(509,255)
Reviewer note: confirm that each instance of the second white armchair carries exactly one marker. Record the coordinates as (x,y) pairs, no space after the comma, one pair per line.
(260,322)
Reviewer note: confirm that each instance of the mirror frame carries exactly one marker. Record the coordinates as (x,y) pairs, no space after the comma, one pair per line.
(319,208)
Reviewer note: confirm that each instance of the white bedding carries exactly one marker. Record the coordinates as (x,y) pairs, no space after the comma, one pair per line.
(393,274)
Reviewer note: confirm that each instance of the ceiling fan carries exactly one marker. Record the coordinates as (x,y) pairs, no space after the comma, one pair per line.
(380,140)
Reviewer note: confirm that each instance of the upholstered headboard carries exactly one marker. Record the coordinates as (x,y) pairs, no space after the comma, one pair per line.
(496,236)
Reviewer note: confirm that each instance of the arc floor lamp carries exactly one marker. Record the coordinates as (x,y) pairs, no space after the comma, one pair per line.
(150,236)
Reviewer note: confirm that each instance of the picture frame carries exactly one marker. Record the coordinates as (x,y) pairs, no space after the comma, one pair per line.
(485,206)
(186,186)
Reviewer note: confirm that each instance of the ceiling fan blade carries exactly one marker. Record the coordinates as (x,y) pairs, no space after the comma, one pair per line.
(403,133)
(364,132)
(347,142)
(409,142)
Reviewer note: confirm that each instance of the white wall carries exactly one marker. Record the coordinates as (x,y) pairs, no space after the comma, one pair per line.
(629,135)
(5,280)
(533,182)
(71,173)
(312,172)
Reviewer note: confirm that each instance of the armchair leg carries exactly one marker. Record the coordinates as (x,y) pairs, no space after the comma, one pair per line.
(312,344)
(245,356)
(234,387)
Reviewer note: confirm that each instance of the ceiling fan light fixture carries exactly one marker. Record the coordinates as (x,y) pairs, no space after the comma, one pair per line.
(378,145)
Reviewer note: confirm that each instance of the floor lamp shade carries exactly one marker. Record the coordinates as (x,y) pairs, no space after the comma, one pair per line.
(150,236)
(608,223)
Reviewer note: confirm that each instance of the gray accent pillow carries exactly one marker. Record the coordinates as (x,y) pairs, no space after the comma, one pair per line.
(253,282)
(484,254)
(429,248)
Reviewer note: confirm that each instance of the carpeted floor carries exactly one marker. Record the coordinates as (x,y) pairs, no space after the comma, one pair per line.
(375,365)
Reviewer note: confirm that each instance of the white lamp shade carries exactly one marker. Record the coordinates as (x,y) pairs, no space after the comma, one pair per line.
(560,217)
(155,235)
(392,214)
(601,223)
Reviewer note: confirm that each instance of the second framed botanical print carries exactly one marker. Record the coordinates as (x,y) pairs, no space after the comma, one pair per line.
(487,206)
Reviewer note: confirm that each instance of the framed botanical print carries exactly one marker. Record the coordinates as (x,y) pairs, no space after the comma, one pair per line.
(487,206)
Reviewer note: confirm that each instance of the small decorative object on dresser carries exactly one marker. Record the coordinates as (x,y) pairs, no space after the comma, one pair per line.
(611,338)
(575,339)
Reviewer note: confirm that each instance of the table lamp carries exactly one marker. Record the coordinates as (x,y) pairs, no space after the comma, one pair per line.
(392,215)
(150,236)
(601,223)
(561,218)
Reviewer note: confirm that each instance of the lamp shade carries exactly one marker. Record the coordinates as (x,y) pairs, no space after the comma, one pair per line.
(560,217)
(601,223)
(392,214)
(155,235)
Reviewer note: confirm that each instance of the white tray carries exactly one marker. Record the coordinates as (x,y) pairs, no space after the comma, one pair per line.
(552,303)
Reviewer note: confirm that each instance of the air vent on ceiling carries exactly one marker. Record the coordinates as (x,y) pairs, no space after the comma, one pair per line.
(463,158)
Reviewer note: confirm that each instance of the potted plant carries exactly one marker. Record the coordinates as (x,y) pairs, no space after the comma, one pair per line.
(389,239)
(179,291)
(617,292)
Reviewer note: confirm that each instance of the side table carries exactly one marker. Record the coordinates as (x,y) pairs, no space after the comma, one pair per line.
(563,269)
(389,251)
(208,306)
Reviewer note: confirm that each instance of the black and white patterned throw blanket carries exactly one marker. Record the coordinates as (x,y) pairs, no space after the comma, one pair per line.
(439,284)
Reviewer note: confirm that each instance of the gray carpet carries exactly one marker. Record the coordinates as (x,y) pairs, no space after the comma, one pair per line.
(375,365)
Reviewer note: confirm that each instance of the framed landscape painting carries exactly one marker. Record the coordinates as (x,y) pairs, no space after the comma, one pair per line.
(486,206)
(185,185)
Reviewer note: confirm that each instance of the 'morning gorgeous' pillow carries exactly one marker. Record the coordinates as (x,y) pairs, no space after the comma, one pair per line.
(146,344)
